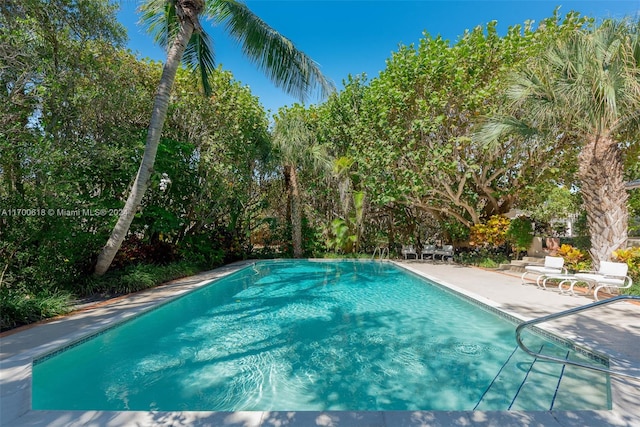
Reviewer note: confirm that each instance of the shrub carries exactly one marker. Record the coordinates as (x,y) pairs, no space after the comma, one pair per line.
(203,250)
(19,307)
(574,259)
(135,251)
(520,233)
(135,278)
(491,234)
(482,258)
(632,257)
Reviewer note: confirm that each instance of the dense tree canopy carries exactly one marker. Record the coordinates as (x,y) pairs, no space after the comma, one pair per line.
(583,91)
(402,153)
(411,130)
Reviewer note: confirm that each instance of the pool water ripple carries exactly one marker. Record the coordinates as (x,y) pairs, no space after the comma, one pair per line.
(291,336)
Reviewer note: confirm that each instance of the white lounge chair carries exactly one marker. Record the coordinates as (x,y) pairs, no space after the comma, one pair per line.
(445,251)
(553,265)
(409,250)
(611,275)
(428,250)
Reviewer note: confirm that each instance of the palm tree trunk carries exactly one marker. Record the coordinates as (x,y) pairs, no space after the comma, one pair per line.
(158,116)
(296,214)
(605,197)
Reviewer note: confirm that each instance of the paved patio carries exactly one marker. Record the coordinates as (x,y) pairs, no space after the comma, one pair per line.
(612,330)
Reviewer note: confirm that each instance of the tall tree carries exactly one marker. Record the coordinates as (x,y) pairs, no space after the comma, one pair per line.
(176,25)
(296,145)
(409,131)
(585,92)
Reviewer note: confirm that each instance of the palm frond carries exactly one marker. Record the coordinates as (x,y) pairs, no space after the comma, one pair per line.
(160,20)
(583,82)
(199,58)
(285,65)
(498,128)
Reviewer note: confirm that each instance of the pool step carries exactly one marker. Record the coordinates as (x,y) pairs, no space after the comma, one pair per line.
(581,388)
(500,394)
(538,390)
(525,384)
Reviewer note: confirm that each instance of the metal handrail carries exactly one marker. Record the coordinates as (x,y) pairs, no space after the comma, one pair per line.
(568,313)
(381,251)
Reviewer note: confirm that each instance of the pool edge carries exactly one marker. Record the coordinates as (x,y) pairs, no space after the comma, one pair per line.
(14,372)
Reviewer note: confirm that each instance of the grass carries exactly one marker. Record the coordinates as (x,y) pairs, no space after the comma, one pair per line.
(19,307)
(135,278)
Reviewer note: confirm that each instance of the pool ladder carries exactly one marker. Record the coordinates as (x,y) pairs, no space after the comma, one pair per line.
(383,252)
(566,313)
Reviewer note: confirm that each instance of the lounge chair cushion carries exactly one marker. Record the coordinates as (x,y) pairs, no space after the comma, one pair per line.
(542,269)
(610,275)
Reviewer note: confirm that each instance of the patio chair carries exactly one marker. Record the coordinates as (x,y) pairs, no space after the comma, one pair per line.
(428,250)
(409,250)
(553,265)
(444,252)
(610,275)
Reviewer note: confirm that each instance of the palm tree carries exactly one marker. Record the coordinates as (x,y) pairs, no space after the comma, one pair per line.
(296,146)
(175,24)
(583,91)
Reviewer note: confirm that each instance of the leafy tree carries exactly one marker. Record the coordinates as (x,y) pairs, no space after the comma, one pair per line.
(176,25)
(214,189)
(520,233)
(551,202)
(51,53)
(583,92)
(410,131)
(296,146)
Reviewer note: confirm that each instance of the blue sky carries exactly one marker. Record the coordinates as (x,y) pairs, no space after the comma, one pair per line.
(355,37)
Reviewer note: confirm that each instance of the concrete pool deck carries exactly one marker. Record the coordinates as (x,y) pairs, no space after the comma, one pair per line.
(612,330)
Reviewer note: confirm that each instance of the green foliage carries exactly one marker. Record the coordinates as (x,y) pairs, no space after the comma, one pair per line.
(595,136)
(20,307)
(491,234)
(73,126)
(482,257)
(342,240)
(552,202)
(136,251)
(455,230)
(71,136)
(520,233)
(135,278)
(632,257)
(574,259)
(298,153)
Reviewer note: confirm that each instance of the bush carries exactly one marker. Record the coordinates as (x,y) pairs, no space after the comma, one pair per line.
(482,258)
(491,235)
(135,278)
(134,251)
(632,257)
(574,259)
(580,242)
(18,307)
(520,233)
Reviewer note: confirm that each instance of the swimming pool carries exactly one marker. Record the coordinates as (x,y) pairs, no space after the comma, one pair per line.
(310,335)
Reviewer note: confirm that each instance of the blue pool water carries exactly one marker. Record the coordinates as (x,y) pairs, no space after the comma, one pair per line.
(308,335)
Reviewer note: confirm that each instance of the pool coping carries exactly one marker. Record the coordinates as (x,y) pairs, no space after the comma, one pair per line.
(19,349)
